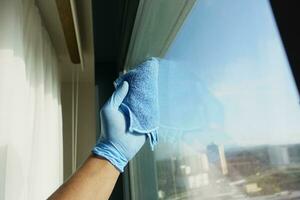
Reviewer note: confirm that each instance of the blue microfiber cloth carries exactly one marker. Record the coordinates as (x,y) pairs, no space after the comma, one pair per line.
(140,106)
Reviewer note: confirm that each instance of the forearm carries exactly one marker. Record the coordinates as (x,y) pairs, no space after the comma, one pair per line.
(97,177)
(94,180)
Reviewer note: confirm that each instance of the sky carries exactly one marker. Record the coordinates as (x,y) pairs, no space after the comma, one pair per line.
(226,79)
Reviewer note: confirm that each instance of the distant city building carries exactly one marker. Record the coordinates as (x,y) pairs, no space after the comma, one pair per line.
(192,171)
(223,162)
(213,153)
(243,162)
(247,169)
(216,156)
(279,155)
(294,154)
(188,170)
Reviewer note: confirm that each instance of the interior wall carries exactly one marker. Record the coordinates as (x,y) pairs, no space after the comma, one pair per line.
(86,123)
(86,109)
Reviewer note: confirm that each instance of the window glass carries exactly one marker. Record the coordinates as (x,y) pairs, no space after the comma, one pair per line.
(229,107)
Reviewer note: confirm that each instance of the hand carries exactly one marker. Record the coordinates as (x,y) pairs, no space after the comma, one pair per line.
(116,144)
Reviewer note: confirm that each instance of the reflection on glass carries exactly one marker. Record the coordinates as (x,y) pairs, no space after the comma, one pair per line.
(229,108)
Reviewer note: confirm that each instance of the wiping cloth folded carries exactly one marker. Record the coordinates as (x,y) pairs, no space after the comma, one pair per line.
(140,106)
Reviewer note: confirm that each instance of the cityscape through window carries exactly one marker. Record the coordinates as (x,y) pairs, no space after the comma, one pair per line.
(230,113)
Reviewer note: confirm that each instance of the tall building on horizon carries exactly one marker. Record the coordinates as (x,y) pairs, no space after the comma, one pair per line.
(216,156)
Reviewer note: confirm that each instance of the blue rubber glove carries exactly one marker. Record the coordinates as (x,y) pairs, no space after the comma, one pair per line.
(116,144)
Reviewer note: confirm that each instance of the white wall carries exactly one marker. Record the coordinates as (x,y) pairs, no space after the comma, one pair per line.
(86,123)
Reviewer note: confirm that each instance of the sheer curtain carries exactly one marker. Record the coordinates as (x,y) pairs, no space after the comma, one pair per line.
(30,107)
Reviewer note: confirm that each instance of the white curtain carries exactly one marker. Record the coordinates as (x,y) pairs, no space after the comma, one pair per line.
(30,107)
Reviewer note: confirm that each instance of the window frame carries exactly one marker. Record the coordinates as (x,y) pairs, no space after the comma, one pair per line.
(134,186)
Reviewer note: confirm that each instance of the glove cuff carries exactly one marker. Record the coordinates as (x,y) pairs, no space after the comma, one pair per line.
(107,150)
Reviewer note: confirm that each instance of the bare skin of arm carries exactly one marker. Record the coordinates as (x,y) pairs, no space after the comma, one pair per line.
(94,180)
